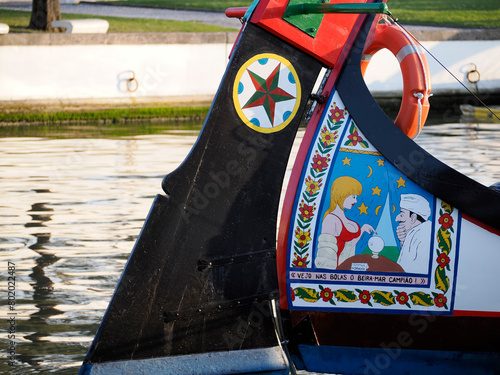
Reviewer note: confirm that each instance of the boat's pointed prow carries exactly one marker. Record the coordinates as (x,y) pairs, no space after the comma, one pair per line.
(197,289)
(200,289)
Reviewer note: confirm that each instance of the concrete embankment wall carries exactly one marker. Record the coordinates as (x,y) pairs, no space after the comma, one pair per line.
(188,67)
(112,67)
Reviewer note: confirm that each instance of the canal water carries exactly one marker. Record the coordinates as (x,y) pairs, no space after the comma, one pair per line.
(73,200)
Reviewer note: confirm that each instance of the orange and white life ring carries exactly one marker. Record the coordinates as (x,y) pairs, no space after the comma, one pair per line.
(416,78)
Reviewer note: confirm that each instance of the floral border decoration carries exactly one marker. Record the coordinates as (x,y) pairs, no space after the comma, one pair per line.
(318,168)
(353,139)
(387,297)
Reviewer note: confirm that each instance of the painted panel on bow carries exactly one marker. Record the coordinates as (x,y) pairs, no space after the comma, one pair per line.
(363,235)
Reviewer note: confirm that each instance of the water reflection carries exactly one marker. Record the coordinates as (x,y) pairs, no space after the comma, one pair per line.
(38,218)
(73,203)
(472,149)
(42,286)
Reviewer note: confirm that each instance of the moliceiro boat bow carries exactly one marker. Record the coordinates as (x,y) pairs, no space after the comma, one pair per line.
(386,258)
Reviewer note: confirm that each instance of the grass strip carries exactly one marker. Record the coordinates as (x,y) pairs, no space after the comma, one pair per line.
(218,6)
(456,13)
(18,22)
(453,13)
(108,116)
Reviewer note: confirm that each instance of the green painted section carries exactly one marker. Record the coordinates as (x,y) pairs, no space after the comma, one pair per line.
(307,22)
(307,15)
(342,8)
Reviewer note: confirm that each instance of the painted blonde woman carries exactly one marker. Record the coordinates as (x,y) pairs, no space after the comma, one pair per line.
(339,235)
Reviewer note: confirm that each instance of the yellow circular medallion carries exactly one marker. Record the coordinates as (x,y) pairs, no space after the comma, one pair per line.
(266,93)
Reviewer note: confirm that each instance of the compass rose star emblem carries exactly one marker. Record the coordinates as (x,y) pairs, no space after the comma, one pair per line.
(266,93)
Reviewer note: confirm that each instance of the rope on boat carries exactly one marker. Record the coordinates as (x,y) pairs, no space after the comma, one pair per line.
(419,97)
(395,20)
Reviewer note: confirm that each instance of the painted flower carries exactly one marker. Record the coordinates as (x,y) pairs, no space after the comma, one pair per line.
(302,237)
(306,211)
(328,138)
(320,162)
(336,114)
(402,298)
(292,294)
(355,138)
(440,300)
(300,262)
(326,294)
(446,221)
(312,185)
(365,296)
(443,260)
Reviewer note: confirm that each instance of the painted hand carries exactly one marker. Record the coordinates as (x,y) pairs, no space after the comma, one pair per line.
(367,228)
(401,232)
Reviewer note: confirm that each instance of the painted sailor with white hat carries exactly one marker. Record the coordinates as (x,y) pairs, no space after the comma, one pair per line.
(414,233)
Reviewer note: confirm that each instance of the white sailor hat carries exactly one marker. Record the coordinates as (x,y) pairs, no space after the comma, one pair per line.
(417,204)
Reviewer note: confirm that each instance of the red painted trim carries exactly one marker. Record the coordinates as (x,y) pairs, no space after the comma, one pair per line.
(259,10)
(330,38)
(235,43)
(481,224)
(488,314)
(291,191)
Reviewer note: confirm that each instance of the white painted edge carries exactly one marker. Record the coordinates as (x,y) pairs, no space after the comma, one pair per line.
(217,363)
